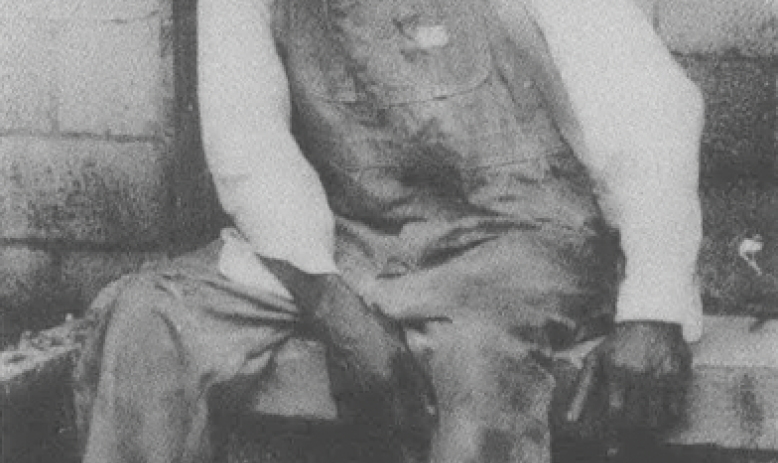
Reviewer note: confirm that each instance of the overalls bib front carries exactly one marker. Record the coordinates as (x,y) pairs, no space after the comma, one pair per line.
(455,194)
(456,201)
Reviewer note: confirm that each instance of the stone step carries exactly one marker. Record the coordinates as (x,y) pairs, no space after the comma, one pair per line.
(734,397)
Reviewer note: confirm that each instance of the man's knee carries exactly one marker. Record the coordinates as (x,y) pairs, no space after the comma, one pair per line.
(494,393)
(475,364)
(296,384)
(124,345)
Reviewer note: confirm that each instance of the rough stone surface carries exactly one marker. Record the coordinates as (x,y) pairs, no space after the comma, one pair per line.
(734,400)
(26,74)
(743,27)
(83,274)
(83,190)
(739,136)
(38,360)
(732,403)
(78,9)
(40,288)
(110,77)
(29,281)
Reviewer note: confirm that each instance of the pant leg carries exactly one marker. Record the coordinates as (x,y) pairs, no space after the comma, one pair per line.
(166,342)
(164,345)
(494,393)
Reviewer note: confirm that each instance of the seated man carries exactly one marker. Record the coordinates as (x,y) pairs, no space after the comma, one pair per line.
(424,189)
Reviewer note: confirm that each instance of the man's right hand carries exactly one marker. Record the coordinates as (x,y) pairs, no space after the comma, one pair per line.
(375,378)
(644,369)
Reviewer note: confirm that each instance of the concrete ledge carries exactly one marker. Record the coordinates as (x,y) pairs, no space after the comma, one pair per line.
(734,396)
(735,392)
(734,399)
(48,357)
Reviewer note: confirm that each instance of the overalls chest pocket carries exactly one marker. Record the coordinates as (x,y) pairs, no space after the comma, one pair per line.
(391,52)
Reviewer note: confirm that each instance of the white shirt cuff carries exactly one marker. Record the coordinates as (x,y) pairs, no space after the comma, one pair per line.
(239,262)
(654,301)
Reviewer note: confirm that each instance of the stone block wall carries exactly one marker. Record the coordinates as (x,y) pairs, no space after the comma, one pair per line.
(730,48)
(86,145)
(740,132)
(100,164)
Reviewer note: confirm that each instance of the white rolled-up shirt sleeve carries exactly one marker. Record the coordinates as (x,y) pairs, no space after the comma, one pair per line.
(264,183)
(635,120)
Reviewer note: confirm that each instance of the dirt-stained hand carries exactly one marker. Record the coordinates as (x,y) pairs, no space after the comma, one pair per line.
(375,379)
(644,370)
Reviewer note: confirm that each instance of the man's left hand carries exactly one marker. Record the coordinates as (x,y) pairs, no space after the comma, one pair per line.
(643,369)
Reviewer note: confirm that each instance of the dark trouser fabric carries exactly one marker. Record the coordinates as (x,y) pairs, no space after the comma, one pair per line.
(457,200)
(174,345)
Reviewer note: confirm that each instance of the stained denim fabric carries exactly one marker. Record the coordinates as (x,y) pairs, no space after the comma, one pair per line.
(175,346)
(442,163)
(456,199)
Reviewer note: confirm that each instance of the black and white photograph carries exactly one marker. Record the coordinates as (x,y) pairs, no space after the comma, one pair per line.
(389,231)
